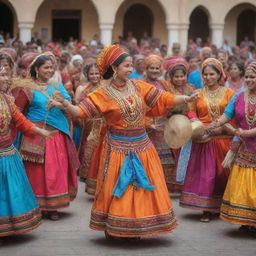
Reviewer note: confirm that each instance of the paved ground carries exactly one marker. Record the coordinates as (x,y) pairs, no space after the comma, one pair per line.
(71,236)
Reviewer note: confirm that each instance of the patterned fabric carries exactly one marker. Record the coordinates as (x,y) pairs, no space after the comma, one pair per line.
(245,158)
(19,210)
(127,142)
(239,204)
(153,96)
(89,108)
(125,227)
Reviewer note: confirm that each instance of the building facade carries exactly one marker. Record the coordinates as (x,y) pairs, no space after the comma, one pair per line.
(169,20)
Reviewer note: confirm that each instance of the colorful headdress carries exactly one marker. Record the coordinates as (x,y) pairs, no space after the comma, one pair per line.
(48,54)
(27,59)
(108,56)
(216,63)
(173,62)
(252,67)
(153,59)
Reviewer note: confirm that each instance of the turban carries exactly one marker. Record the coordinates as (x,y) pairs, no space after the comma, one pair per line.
(173,62)
(252,67)
(108,56)
(153,59)
(216,63)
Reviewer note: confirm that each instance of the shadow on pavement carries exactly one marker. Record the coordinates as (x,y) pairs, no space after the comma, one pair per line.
(140,244)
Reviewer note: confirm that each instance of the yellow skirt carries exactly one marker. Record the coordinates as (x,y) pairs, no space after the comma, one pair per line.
(138,213)
(239,200)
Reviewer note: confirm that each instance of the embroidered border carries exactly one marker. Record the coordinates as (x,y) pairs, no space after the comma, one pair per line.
(153,96)
(246,159)
(56,201)
(133,227)
(21,223)
(192,201)
(89,108)
(7,151)
(238,214)
(128,146)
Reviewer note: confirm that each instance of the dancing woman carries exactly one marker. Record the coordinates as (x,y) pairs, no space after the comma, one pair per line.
(239,200)
(19,211)
(206,179)
(131,198)
(51,163)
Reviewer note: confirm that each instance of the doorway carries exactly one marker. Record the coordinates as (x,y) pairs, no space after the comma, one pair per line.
(66,24)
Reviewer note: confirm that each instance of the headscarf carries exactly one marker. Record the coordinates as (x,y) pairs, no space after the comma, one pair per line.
(27,59)
(108,56)
(8,57)
(171,63)
(11,52)
(77,57)
(138,57)
(216,63)
(252,67)
(153,59)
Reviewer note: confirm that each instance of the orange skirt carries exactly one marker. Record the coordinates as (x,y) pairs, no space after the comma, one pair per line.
(138,213)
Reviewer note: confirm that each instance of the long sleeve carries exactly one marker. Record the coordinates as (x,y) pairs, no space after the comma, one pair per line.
(163,103)
(21,123)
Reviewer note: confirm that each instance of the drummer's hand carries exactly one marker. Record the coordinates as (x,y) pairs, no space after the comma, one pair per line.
(192,97)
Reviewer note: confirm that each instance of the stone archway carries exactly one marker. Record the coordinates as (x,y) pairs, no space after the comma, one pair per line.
(240,21)
(199,24)
(59,20)
(154,12)
(6,19)
(246,25)
(138,14)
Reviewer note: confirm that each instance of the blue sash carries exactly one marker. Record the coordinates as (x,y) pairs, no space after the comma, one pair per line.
(132,170)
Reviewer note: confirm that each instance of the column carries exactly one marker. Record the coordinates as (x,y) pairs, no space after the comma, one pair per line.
(106,33)
(173,36)
(217,34)
(25,31)
(184,36)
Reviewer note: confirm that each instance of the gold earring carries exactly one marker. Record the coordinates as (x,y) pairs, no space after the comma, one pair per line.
(36,75)
(114,75)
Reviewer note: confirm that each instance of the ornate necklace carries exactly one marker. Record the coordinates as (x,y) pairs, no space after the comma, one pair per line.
(250,109)
(5,115)
(213,99)
(130,105)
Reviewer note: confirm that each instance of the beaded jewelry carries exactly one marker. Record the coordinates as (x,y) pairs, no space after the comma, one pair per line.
(250,109)
(130,105)
(213,100)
